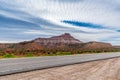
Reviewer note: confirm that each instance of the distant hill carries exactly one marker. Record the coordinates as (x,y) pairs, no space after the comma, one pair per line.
(96,45)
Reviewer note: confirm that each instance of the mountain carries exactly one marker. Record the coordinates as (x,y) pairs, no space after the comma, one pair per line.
(53,42)
(64,42)
(63,39)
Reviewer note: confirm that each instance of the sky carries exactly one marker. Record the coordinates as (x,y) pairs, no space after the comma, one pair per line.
(86,20)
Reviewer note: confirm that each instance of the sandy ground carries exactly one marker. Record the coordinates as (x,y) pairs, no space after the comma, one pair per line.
(96,70)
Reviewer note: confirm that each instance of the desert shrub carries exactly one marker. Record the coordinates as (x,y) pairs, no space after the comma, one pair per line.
(63,53)
(29,55)
(8,55)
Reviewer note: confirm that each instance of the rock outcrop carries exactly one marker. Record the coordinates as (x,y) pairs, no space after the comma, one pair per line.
(63,39)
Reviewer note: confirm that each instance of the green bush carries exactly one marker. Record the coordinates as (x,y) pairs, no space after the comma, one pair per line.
(63,53)
(8,55)
(29,55)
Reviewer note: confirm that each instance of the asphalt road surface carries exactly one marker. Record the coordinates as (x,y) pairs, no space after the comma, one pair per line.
(9,66)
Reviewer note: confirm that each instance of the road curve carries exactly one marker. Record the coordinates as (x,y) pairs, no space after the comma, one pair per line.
(9,66)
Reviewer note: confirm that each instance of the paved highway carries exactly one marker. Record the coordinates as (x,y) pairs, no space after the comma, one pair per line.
(9,66)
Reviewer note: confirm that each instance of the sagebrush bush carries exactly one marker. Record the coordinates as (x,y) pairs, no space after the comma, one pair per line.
(29,55)
(8,55)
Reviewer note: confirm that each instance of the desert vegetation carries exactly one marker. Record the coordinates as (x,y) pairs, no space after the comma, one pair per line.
(53,52)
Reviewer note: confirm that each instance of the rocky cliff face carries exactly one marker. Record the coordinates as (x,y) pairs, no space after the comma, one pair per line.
(63,39)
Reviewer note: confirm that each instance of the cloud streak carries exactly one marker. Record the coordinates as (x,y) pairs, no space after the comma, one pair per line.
(83,24)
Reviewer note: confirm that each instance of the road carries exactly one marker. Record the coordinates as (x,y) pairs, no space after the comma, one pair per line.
(108,69)
(9,66)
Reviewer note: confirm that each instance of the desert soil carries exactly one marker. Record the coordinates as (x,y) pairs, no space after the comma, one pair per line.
(96,70)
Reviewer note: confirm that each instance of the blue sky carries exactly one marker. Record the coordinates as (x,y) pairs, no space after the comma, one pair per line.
(86,20)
